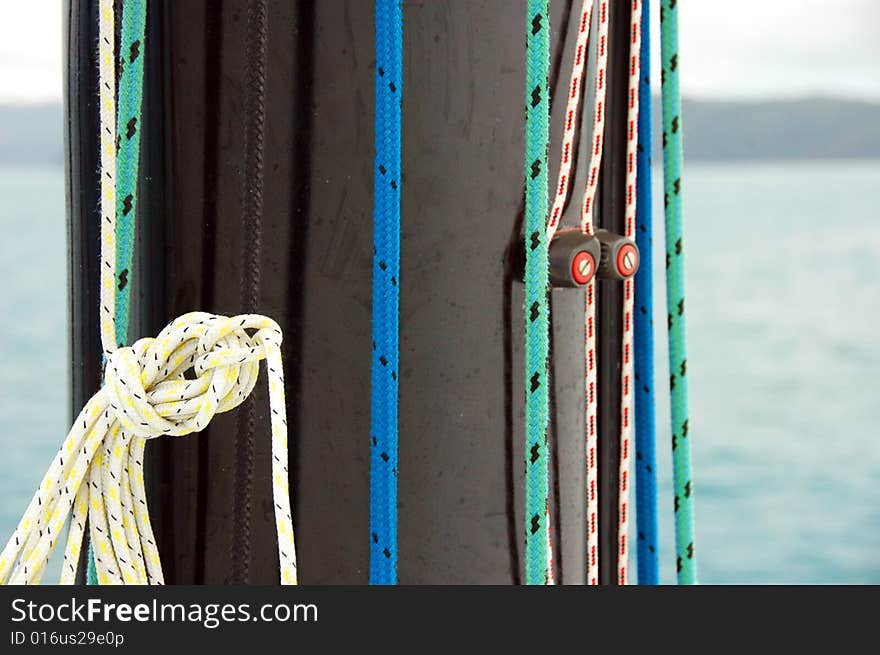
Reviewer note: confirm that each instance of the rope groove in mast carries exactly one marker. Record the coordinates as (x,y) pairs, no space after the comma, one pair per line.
(252,224)
(386,293)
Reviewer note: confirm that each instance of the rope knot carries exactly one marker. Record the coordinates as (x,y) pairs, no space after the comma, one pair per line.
(199,365)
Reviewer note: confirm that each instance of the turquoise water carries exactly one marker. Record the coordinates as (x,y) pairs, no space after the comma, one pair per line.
(782,300)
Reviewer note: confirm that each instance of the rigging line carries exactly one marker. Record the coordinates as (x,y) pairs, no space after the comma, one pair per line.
(107,101)
(252,222)
(626,402)
(386,293)
(596,148)
(98,472)
(643,325)
(682,476)
(536,290)
(578,65)
(120,157)
(572,104)
(590,360)
(131,66)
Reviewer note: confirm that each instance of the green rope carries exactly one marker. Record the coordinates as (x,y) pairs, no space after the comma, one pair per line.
(686,562)
(537,284)
(128,118)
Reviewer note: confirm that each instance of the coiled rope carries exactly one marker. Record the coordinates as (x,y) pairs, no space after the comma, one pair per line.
(199,365)
(682,477)
(536,290)
(646,466)
(386,294)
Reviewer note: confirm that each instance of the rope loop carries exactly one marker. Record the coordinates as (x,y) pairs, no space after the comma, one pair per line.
(199,365)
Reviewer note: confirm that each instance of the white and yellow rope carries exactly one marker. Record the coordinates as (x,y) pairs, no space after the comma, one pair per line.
(98,472)
(107,101)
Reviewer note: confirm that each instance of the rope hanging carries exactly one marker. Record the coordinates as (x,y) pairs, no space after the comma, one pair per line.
(646,466)
(536,289)
(586,211)
(199,365)
(626,358)
(590,371)
(107,100)
(386,294)
(120,158)
(682,477)
(587,207)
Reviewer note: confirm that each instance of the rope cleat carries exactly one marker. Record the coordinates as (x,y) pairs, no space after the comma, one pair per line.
(574,258)
(619,258)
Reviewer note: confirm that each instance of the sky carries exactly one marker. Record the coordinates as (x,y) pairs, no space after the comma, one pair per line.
(747,49)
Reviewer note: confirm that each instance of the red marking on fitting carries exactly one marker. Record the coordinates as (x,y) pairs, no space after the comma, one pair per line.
(583,266)
(627,260)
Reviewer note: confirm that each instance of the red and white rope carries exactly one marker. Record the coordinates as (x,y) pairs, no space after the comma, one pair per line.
(626,405)
(591,408)
(571,116)
(561,195)
(572,105)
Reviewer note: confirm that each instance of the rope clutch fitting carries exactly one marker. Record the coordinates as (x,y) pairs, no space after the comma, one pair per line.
(575,258)
(619,259)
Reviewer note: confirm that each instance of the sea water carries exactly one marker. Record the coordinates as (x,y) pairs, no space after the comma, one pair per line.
(782,301)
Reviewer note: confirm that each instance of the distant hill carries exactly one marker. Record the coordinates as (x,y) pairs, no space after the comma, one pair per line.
(812,128)
(31,134)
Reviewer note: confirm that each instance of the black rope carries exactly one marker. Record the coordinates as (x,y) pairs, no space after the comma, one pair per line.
(252,223)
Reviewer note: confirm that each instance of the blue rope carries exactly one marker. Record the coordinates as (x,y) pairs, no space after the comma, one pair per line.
(386,294)
(646,465)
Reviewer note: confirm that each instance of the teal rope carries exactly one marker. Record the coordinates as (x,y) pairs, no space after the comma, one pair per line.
(537,284)
(686,563)
(128,118)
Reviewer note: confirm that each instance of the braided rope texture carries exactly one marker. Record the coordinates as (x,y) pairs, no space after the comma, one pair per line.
(591,427)
(386,294)
(107,100)
(682,477)
(626,374)
(98,471)
(131,67)
(536,290)
(120,159)
(645,437)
